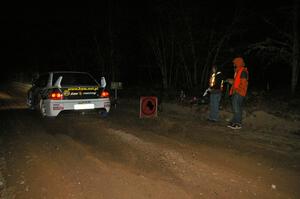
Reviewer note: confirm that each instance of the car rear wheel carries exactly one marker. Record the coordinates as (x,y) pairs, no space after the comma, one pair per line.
(42,108)
(30,101)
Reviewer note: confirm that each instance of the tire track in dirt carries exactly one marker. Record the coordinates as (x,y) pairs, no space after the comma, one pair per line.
(198,177)
(155,160)
(47,165)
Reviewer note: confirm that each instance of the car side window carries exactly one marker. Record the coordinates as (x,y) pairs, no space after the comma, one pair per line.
(42,81)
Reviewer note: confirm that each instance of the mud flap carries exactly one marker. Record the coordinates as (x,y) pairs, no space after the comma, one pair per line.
(103,113)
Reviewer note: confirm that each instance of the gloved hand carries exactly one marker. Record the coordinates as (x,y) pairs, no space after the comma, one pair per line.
(230,81)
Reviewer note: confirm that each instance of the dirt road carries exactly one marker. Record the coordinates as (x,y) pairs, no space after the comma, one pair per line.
(177,155)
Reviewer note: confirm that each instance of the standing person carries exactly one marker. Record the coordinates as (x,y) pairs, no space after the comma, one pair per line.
(238,91)
(215,88)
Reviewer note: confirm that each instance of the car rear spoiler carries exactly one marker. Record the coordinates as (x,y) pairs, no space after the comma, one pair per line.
(58,81)
(103,82)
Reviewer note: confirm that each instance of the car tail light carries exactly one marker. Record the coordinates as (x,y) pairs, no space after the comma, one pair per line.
(104,93)
(55,95)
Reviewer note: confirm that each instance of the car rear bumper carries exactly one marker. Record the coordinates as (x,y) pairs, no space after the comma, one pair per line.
(54,107)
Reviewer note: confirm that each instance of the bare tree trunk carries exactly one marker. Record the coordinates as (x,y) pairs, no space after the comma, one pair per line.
(193,51)
(186,69)
(295,54)
(205,73)
(163,47)
(176,75)
(171,60)
(157,47)
(111,41)
(209,54)
(99,56)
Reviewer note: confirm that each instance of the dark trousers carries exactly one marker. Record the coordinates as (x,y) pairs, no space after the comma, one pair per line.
(237,102)
(214,104)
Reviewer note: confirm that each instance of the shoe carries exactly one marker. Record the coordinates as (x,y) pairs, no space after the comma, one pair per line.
(211,120)
(229,124)
(235,126)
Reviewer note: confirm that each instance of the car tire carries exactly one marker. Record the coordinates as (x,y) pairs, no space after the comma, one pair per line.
(42,108)
(30,101)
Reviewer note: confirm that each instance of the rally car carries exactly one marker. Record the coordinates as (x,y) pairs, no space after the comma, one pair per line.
(56,92)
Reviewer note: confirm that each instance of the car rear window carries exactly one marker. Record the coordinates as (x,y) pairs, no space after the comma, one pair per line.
(75,79)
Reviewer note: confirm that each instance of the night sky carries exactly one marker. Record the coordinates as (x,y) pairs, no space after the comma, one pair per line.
(54,37)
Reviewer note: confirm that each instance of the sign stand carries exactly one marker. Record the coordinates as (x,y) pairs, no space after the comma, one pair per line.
(116,86)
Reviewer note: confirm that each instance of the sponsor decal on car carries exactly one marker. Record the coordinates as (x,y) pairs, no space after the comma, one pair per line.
(66,93)
(58,107)
(83,89)
(89,93)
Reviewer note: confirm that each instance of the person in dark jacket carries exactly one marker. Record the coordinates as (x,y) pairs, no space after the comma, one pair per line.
(215,88)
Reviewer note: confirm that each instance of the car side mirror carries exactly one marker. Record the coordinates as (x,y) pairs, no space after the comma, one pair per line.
(103,82)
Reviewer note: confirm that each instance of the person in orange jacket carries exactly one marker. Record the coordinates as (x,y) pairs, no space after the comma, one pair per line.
(238,91)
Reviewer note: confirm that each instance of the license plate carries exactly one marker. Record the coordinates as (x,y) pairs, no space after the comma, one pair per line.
(84,106)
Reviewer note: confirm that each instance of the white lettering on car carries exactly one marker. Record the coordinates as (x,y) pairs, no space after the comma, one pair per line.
(89,93)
